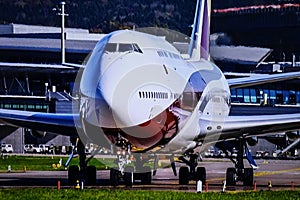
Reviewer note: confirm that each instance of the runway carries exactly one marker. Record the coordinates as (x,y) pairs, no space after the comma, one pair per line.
(281,173)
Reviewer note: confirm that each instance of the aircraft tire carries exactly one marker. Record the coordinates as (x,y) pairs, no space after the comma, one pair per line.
(128,176)
(230,176)
(114,177)
(248,177)
(146,176)
(91,173)
(73,174)
(201,174)
(184,176)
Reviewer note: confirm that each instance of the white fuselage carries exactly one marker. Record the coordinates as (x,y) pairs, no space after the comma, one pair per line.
(137,88)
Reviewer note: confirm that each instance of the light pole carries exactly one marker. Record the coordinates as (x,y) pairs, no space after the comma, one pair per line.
(46,88)
(62,42)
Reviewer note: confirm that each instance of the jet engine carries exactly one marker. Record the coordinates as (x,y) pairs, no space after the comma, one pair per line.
(252,141)
(37,134)
(293,135)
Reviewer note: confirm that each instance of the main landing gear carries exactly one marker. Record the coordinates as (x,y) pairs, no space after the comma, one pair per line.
(82,173)
(239,172)
(129,174)
(192,172)
(126,171)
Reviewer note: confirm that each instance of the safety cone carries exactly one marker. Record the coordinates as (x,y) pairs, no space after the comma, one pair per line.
(8,168)
(77,186)
(224,186)
(81,185)
(206,186)
(269,185)
(293,185)
(199,186)
(58,185)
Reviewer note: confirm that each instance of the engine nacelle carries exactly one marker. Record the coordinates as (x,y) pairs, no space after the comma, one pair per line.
(252,141)
(293,135)
(37,134)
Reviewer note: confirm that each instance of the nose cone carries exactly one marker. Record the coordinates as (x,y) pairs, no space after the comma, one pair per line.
(124,81)
(137,95)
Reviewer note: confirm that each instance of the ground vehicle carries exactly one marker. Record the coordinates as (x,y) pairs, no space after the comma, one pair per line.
(44,148)
(262,154)
(6,148)
(36,148)
(32,148)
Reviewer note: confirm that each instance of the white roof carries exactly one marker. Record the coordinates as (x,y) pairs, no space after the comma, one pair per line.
(238,53)
(25,29)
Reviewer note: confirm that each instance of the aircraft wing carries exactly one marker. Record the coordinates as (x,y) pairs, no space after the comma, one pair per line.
(75,66)
(35,65)
(260,79)
(254,125)
(63,124)
(237,126)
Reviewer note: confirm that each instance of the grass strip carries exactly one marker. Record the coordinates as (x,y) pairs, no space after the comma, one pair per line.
(43,193)
(47,163)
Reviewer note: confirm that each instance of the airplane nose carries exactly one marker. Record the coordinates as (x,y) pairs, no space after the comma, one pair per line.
(130,92)
(137,95)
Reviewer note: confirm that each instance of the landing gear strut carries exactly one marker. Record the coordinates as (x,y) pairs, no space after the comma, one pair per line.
(239,173)
(192,172)
(129,174)
(83,173)
(122,172)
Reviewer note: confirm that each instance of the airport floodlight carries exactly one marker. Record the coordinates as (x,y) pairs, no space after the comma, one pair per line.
(46,88)
(61,12)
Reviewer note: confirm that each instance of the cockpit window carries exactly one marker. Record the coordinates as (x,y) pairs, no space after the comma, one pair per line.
(137,48)
(122,47)
(111,47)
(125,47)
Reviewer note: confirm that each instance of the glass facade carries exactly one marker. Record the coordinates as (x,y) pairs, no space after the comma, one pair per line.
(26,104)
(265,96)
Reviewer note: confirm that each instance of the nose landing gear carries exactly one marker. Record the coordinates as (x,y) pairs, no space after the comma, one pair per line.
(192,172)
(84,173)
(130,174)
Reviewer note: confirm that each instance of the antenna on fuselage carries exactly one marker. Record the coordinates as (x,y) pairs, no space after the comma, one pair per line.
(199,45)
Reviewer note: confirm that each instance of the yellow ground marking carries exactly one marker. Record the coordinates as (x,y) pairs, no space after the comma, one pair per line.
(275,172)
(257,174)
(216,179)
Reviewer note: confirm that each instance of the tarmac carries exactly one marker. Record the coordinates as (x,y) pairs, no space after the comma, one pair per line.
(271,175)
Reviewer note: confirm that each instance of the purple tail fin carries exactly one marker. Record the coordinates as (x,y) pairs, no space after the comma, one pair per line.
(199,45)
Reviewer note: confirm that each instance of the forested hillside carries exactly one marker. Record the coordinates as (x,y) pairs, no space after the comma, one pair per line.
(101,15)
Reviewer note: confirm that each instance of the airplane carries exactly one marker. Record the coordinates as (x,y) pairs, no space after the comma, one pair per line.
(140,95)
